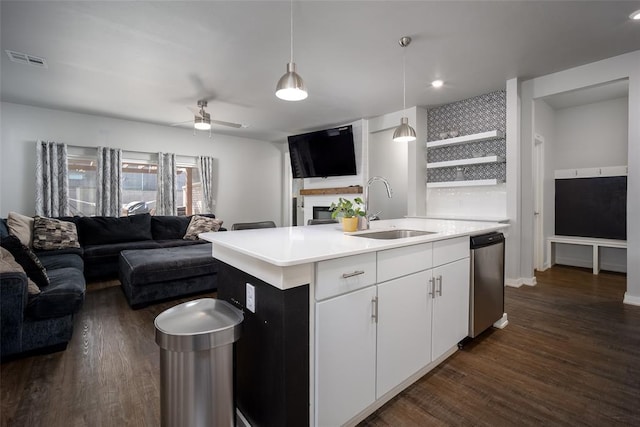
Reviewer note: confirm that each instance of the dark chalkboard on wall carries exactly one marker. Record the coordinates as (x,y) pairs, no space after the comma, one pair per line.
(592,207)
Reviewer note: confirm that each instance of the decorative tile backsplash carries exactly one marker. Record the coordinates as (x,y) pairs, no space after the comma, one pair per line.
(470,116)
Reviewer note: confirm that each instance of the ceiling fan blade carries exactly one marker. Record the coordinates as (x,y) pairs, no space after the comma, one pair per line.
(223,123)
(195,111)
(181,123)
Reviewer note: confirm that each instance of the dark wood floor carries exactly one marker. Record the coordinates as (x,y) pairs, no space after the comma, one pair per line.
(570,356)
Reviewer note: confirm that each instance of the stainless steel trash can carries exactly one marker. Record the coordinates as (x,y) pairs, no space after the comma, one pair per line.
(196,363)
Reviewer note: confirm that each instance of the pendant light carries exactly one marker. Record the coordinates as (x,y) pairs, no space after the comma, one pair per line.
(291,87)
(404,132)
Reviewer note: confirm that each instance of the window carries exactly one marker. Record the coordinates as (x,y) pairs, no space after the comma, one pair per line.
(139,187)
(82,185)
(139,184)
(189,200)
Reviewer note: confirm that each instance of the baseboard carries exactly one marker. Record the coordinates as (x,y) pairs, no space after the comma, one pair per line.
(631,299)
(516,283)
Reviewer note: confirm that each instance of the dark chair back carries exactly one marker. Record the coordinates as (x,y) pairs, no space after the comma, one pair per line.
(250,225)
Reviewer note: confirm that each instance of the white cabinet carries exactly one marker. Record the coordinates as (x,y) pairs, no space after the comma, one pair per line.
(345,356)
(373,337)
(404,329)
(450,306)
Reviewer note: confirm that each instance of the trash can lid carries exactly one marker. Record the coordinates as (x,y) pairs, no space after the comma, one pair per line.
(197,325)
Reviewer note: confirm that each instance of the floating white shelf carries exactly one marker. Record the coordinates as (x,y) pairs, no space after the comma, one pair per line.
(493,134)
(462,162)
(472,183)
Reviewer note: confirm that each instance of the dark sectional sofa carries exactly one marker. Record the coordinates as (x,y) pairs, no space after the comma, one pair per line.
(163,266)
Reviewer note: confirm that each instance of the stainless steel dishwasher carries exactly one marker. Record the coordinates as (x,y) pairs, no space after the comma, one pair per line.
(486,305)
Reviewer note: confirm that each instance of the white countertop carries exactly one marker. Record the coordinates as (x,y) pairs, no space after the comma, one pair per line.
(293,246)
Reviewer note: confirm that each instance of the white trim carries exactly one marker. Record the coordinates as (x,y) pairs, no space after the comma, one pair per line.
(591,172)
(630,299)
(516,283)
(586,241)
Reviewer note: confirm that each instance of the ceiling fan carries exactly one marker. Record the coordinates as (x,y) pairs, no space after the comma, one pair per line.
(202,120)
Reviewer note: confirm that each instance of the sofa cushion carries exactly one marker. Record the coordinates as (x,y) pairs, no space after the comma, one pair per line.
(27,259)
(95,251)
(159,265)
(174,243)
(50,234)
(64,296)
(100,230)
(55,261)
(201,224)
(21,226)
(169,227)
(8,264)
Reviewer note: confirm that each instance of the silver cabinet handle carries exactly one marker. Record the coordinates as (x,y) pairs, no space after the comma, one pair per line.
(374,309)
(355,273)
(439,280)
(432,286)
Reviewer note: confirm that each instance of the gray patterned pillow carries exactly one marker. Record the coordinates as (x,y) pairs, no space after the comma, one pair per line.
(201,224)
(50,234)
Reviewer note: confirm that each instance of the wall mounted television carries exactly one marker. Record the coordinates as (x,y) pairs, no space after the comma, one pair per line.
(592,207)
(323,153)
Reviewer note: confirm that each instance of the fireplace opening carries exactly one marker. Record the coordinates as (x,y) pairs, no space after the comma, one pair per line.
(321,212)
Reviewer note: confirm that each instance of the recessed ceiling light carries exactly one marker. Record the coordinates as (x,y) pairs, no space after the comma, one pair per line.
(635,15)
(437,83)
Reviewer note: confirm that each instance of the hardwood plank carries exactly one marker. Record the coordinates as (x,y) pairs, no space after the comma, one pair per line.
(570,356)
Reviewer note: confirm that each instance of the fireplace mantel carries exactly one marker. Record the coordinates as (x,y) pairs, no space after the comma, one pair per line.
(353,189)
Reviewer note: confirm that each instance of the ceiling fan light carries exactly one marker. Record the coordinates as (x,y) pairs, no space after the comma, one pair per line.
(201,123)
(404,132)
(291,87)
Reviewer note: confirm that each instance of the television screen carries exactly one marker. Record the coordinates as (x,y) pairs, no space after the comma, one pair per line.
(592,207)
(323,153)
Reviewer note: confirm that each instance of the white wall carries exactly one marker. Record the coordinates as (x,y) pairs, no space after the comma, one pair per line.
(249,176)
(591,135)
(388,159)
(545,128)
(608,70)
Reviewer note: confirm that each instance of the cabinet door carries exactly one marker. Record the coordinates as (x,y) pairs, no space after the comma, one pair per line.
(345,356)
(404,329)
(450,306)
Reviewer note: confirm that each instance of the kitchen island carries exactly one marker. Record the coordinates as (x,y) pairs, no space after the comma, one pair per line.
(336,324)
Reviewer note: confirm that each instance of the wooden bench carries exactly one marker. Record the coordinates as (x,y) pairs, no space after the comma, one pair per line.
(585,241)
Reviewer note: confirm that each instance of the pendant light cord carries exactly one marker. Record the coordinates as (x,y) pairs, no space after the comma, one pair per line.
(404,79)
(291,20)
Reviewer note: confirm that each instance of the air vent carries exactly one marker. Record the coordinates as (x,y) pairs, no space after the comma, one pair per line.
(23,58)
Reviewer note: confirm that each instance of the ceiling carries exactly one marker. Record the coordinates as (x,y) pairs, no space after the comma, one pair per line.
(147,61)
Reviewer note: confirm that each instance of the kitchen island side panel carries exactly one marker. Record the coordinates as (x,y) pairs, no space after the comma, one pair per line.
(272,355)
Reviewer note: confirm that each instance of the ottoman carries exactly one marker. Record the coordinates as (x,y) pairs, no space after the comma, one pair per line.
(153,275)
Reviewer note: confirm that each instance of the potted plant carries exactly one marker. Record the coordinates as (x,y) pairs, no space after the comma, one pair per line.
(349,212)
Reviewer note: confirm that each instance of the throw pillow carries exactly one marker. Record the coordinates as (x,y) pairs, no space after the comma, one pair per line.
(8,264)
(27,259)
(201,224)
(50,234)
(21,226)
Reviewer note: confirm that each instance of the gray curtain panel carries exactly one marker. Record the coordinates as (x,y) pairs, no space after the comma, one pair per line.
(52,179)
(109,181)
(206,175)
(166,204)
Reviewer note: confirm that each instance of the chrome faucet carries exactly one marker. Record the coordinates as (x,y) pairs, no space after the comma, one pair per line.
(368,217)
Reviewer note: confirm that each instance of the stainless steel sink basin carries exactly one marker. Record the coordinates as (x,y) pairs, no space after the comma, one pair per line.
(393,234)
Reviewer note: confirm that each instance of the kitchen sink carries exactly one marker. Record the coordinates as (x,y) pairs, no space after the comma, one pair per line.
(393,234)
